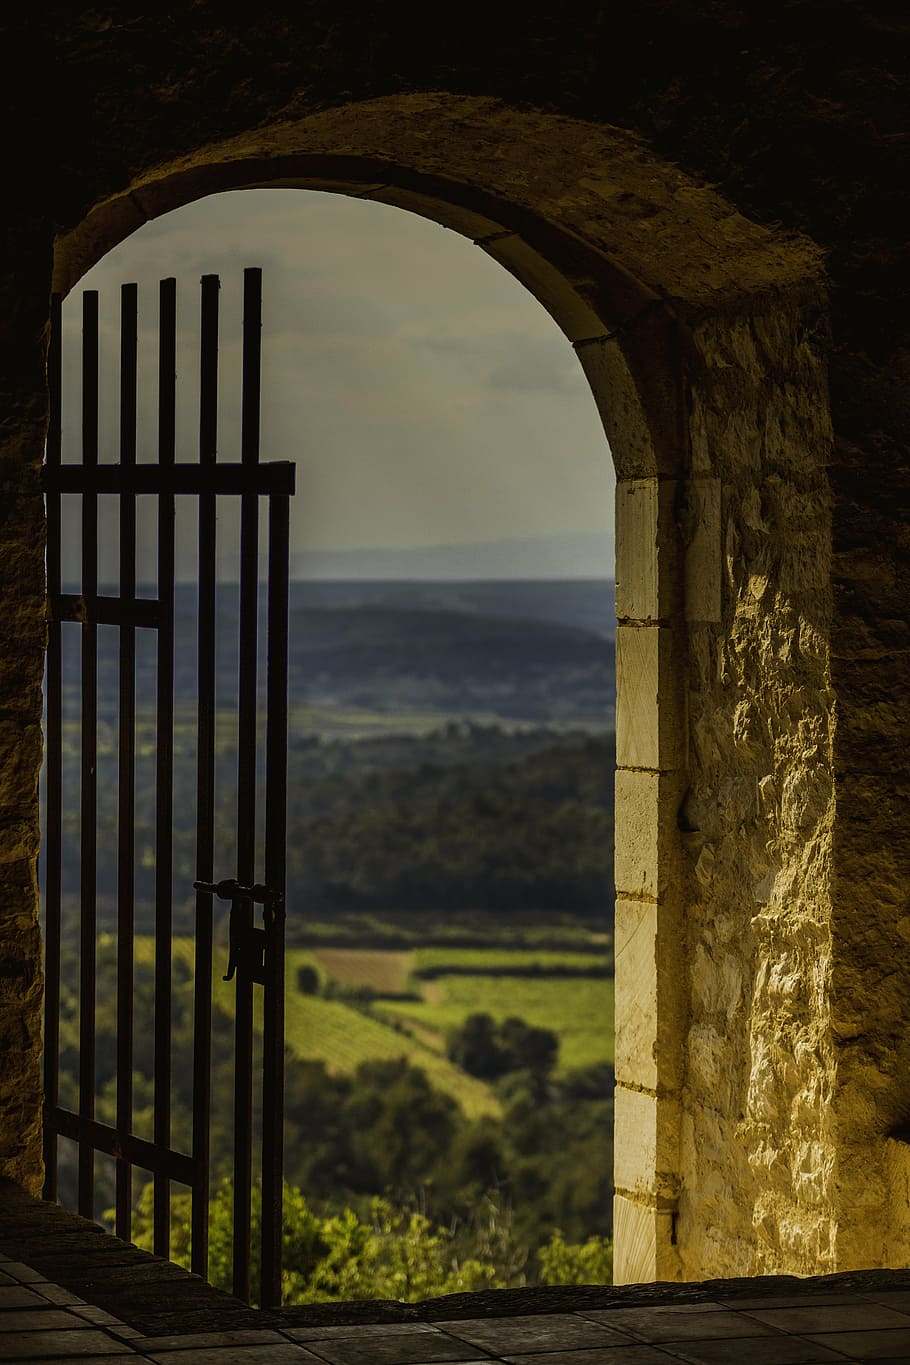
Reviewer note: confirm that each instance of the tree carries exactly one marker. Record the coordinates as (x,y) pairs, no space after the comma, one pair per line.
(489,1050)
(308,980)
(589,1262)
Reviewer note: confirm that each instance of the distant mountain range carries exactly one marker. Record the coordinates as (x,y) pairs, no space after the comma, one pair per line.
(539,651)
(585,603)
(540,557)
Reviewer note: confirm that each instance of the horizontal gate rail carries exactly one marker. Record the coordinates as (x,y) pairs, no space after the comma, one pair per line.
(275,476)
(124,1146)
(105,611)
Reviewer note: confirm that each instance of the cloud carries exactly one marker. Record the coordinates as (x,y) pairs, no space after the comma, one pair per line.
(426,396)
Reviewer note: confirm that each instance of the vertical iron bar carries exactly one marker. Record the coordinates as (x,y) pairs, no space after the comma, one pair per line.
(252,366)
(88,801)
(275,875)
(205,779)
(164,766)
(246,778)
(126,777)
(53,833)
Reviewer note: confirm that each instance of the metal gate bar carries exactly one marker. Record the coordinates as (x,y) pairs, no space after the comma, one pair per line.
(205,769)
(246,779)
(89,752)
(126,761)
(166,479)
(276,757)
(164,750)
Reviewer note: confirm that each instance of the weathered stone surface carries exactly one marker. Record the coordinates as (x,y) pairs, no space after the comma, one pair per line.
(761,1072)
(779,871)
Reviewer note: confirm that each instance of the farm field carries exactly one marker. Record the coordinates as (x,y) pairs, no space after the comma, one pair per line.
(577,1008)
(386,973)
(579,1011)
(487,961)
(559,993)
(333,1032)
(343,1037)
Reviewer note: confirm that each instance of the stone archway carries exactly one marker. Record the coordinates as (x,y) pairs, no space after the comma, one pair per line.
(702,336)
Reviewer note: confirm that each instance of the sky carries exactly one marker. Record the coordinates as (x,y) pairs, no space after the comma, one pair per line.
(428,399)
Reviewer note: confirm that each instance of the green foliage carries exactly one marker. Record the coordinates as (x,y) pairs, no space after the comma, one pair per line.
(534,833)
(490,1050)
(388,1252)
(588,1262)
(308,980)
(530,831)
(392,1253)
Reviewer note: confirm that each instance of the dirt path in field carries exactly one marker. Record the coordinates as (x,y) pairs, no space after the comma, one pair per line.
(433,991)
(386,971)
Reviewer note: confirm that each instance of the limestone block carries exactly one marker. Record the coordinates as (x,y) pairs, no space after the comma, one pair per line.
(637,696)
(637,833)
(703,558)
(646,1144)
(646,538)
(643,1243)
(636,993)
(634,1141)
(575,314)
(637,580)
(621,408)
(454,216)
(648,726)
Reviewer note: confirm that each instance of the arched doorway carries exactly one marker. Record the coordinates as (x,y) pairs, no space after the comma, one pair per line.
(690,323)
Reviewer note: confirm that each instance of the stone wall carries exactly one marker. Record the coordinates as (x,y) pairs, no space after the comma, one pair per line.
(764,981)
(22,637)
(758,816)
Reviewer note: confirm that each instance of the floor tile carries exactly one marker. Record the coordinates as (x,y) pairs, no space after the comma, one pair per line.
(23,1274)
(131,1359)
(852,1317)
(191,1341)
(708,1306)
(882,1345)
(756,1351)
(414,1348)
(285,1353)
(64,1344)
(45,1318)
(353,1329)
(55,1294)
(647,1325)
(745,1305)
(98,1316)
(20,1296)
(892,1298)
(546,1331)
(613,1355)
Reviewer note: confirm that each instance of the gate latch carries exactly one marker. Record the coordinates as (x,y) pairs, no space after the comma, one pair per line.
(247,944)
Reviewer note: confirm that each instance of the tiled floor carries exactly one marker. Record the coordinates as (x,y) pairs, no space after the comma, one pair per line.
(43,1322)
(69,1291)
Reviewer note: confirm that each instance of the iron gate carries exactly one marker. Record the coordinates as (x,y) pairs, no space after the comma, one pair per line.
(256,956)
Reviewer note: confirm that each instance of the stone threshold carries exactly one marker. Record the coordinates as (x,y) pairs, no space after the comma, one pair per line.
(157,1298)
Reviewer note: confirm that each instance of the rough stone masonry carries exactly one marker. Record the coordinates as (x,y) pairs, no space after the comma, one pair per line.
(710,199)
